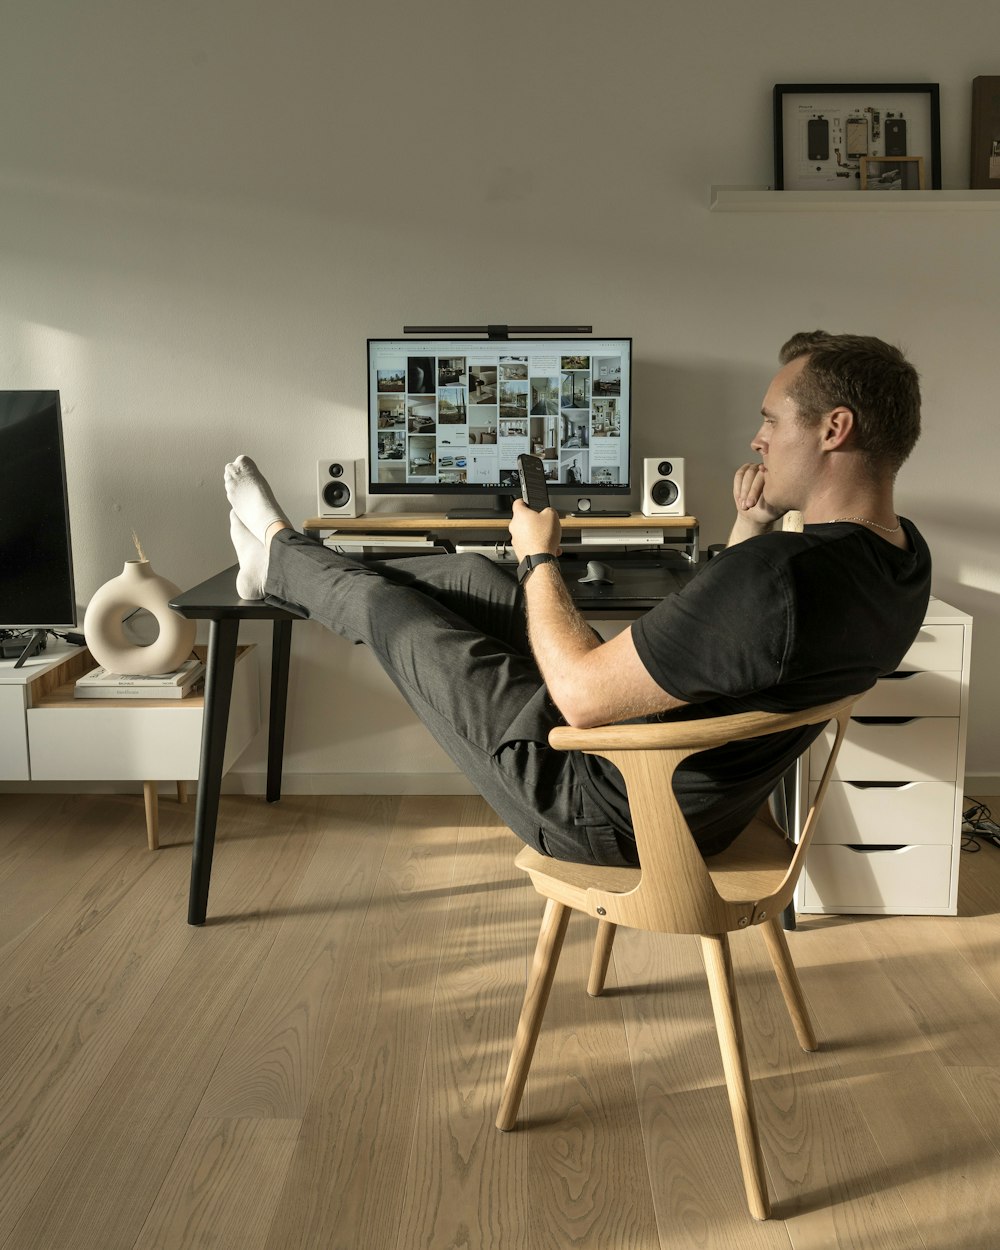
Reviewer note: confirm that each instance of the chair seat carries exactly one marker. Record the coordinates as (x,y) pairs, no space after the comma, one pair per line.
(751,868)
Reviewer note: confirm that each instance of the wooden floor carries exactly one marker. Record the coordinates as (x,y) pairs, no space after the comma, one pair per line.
(319,1066)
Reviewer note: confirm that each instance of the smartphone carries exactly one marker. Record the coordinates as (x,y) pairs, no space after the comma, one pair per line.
(856,129)
(818,138)
(895,137)
(534,490)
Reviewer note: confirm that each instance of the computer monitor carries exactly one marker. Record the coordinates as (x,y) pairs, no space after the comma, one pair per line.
(450,416)
(36,559)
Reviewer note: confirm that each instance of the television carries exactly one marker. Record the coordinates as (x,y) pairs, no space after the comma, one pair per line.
(451,416)
(36,559)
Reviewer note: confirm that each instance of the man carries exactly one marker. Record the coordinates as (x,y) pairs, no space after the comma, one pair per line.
(777,622)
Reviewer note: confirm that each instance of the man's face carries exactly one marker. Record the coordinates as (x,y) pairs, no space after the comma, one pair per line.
(788,449)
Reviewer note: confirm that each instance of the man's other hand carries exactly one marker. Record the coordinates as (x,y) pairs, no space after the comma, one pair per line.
(749,486)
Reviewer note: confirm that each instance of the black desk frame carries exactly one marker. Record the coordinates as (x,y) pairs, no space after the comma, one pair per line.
(217,602)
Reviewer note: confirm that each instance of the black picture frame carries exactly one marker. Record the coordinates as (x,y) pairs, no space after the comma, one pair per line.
(821,130)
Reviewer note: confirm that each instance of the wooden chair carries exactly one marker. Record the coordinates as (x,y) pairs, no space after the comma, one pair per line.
(678,891)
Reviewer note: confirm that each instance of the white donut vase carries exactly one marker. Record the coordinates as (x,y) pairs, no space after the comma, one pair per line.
(137,587)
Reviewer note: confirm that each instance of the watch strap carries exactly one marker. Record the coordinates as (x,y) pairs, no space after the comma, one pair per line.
(529,563)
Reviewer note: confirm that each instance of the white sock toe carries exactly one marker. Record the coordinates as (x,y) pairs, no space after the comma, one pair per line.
(251,497)
(252,557)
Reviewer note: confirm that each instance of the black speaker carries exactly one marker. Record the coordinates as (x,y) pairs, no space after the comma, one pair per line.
(663,486)
(337,487)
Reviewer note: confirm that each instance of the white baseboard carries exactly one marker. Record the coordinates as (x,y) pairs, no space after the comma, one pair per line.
(256,783)
(980,785)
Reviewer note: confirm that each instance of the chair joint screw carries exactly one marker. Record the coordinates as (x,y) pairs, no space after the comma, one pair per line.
(743,921)
(601,911)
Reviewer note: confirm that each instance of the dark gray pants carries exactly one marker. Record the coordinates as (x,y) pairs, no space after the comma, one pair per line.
(450,632)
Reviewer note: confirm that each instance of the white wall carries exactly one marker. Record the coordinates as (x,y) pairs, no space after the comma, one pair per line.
(205,209)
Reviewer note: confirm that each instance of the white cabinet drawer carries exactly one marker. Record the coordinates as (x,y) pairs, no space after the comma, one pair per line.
(913,693)
(911,879)
(916,812)
(936,648)
(109,740)
(923,749)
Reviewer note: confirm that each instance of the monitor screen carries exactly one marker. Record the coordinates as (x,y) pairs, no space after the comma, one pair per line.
(36,562)
(452,415)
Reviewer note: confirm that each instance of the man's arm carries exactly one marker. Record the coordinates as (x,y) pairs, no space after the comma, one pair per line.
(590,682)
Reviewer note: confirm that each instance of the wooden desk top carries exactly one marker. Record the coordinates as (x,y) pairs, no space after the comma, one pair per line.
(428,522)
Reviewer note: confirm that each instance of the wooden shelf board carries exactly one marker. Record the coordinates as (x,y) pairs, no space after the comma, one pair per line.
(766,200)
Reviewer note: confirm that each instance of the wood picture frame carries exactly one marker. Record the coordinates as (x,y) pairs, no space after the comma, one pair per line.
(822,130)
(892,173)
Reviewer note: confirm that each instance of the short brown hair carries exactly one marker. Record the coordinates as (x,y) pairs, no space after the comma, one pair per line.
(872,378)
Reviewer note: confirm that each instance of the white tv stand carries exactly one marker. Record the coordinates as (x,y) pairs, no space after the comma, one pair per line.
(48,735)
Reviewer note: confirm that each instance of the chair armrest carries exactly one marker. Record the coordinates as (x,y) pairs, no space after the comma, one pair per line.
(698,734)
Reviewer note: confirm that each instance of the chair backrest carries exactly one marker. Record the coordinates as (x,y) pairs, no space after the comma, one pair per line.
(675,892)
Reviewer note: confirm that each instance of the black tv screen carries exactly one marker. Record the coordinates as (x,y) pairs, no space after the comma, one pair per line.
(36,561)
(451,416)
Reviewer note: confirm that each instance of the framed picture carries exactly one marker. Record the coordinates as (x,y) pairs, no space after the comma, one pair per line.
(823,130)
(892,173)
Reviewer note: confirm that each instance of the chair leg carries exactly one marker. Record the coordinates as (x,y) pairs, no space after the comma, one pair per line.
(543,969)
(788,979)
(722,986)
(601,957)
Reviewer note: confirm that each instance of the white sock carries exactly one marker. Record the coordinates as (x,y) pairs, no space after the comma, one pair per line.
(251,497)
(252,556)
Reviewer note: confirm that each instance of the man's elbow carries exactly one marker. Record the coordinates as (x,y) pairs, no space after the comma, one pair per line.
(579,710)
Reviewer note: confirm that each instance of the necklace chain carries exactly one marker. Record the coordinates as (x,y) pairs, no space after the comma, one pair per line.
(874,524)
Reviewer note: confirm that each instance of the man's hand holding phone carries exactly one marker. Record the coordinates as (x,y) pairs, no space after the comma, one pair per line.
(534,526)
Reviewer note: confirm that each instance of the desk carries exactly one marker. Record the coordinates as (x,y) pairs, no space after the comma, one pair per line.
(216,601)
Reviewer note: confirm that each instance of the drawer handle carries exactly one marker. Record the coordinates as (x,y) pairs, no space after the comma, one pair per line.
(879,785)
(876,847)
(885,720)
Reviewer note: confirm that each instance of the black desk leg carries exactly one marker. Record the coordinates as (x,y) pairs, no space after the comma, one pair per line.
(218,695)
(281,650)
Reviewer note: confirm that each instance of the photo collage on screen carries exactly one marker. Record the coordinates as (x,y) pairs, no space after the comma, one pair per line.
(456,420)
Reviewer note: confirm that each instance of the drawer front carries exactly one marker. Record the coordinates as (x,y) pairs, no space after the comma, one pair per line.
(13,737)
(913,693)
(924,749)
(915,813)
(936,648)
(912,879)
(116,743)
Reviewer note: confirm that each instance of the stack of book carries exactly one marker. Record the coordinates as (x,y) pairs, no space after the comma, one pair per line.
(100,684)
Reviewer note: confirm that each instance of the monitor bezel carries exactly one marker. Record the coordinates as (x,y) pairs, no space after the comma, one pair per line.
(472,490)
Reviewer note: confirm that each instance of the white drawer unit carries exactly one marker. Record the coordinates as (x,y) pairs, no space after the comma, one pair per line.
(888,840)
(48,735)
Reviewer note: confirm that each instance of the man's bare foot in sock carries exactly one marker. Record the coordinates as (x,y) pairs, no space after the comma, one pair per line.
(251,497)
(254,520)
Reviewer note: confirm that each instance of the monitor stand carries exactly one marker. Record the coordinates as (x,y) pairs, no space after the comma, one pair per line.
(36,643)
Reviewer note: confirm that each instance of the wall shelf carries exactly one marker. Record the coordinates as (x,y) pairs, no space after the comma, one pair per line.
(764,200)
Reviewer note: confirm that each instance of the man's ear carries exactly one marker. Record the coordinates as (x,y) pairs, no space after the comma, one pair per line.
(838,425)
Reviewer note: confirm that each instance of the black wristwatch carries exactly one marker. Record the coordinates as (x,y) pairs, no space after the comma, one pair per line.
(532,562)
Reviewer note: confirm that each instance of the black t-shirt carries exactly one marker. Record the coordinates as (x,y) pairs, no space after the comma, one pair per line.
(777,623)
